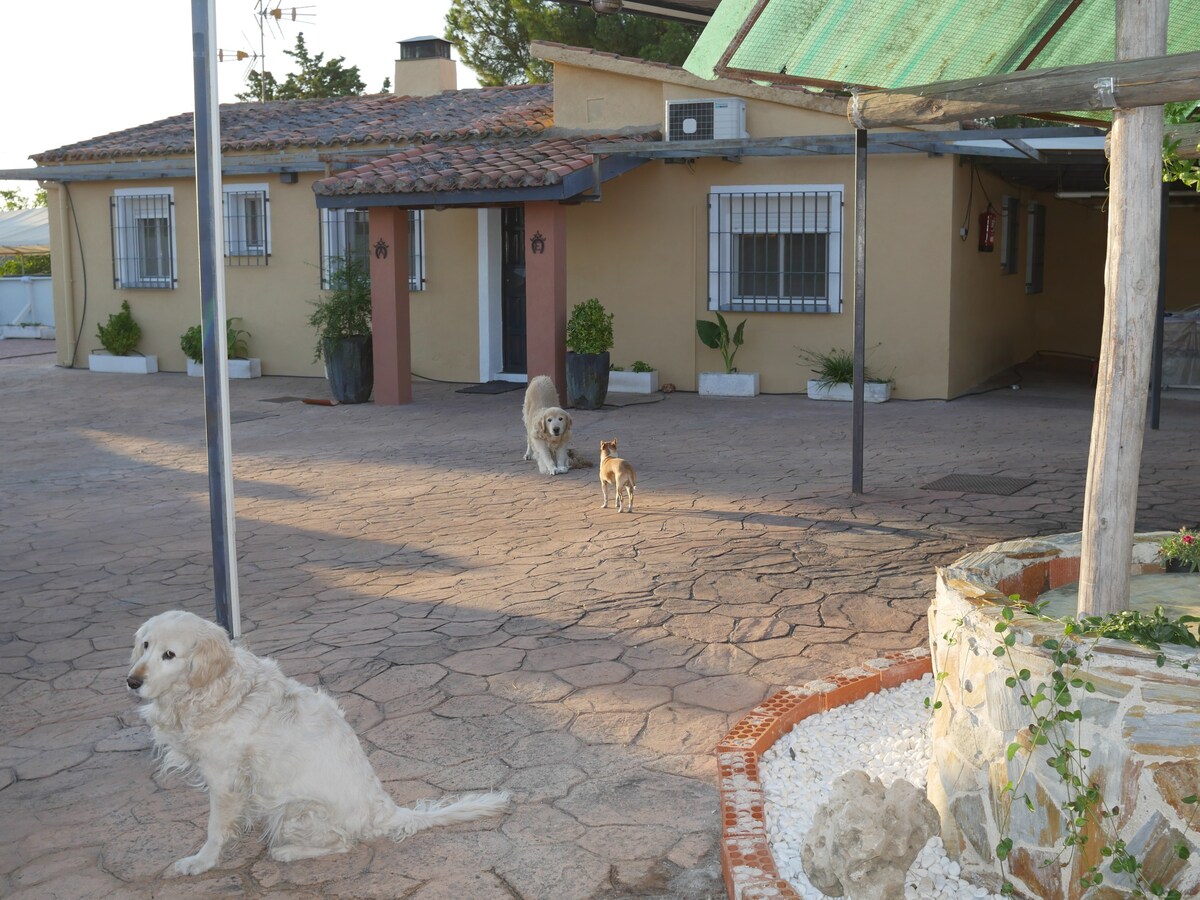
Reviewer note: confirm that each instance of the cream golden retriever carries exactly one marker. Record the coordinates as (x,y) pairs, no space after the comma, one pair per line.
(266,748)
(547,427)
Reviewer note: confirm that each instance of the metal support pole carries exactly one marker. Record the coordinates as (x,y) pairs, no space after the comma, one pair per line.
(860,300)
(212,300)
(1156,361)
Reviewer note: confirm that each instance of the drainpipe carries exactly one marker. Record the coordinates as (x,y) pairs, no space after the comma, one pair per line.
(67,295)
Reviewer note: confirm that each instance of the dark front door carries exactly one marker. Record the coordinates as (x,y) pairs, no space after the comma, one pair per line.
(512,288)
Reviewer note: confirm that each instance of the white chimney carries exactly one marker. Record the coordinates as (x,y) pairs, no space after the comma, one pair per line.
(424,68)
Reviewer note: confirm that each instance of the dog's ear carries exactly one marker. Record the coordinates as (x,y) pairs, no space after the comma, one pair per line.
(210,658)
(138,637)
(539,429)
(566,421)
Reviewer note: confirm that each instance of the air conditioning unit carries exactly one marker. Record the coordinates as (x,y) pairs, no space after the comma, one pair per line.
(706,120)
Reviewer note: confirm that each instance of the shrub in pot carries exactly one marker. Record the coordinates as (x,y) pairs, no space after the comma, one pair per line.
(342,320)
(589,338)
(121,333)
(119,336)
(191,342)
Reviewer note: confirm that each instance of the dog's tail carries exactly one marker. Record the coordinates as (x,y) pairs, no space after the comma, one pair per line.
(429,814)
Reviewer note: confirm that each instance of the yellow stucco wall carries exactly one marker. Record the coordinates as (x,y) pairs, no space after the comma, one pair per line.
(273,301)
(445,316)
(643,250)
(653,277)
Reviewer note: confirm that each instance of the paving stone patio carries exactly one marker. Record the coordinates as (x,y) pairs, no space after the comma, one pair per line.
(483,626)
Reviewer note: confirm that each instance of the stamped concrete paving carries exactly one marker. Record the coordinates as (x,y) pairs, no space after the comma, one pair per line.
(483,626)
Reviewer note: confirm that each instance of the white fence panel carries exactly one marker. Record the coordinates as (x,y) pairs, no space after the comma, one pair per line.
(26,300)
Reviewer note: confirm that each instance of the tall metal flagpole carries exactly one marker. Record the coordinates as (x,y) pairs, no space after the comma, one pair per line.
(212,300)
(860,306)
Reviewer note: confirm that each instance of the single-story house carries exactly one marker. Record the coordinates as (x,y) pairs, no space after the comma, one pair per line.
(515,203)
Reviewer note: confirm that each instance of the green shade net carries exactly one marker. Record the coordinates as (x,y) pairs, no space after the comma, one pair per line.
(896,43)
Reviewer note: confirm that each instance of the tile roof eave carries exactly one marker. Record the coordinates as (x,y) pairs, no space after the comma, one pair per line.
(573,186)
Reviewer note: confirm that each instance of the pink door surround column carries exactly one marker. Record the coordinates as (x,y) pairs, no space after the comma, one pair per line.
(546,292)
(390,326)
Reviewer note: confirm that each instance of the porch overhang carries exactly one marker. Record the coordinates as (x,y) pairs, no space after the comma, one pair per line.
(577,187)
(1017,143)
(562,167)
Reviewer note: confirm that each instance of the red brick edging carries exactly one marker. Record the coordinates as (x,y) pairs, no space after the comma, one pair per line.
(746,861)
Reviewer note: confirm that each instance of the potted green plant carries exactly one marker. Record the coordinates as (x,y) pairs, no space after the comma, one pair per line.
(835,378)
(119,336)
(1180,552)
(239,363)
(589,338)
(642,378)
(731,382)
(342,320)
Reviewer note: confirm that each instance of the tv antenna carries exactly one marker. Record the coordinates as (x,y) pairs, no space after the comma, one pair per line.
(269,15)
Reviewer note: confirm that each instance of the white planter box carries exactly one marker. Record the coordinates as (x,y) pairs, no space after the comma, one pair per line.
(238,368)
(734,384)
(40,332)
(873,391)
(99,361)
(633,382)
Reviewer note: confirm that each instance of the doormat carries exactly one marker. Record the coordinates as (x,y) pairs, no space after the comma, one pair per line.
(280,399)
(492,387)
(978,484)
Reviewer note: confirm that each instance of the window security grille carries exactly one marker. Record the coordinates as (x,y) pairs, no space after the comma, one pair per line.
(247,236)
(345,235)
(775,250)
(143,245)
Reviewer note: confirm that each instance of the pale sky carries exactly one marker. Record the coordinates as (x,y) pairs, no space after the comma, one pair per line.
(78,69)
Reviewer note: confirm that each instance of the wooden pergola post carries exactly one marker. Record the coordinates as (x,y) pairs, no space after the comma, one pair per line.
(1131,275)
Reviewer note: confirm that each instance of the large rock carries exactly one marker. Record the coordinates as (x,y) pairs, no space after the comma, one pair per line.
(864,839)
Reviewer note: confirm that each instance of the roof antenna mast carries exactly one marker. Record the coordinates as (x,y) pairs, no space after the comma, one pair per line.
(269,15)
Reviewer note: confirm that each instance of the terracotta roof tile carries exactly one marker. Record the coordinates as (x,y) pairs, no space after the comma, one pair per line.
(456,167)
(480,113)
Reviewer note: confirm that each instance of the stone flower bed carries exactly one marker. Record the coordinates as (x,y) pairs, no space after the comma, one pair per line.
(1141,726)
(746,860)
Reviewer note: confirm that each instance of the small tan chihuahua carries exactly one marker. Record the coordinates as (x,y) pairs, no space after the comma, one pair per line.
(617,472)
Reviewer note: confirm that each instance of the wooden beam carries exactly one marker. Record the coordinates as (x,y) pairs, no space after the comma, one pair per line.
(1131,274)
(1188,136)
(1146,81)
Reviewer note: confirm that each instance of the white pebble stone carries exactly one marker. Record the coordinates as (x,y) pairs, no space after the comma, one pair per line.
(884,734)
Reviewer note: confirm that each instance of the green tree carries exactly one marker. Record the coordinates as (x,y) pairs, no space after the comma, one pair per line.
(1175,166)
(492,36)
(316,78)
(23,265)
(14,199)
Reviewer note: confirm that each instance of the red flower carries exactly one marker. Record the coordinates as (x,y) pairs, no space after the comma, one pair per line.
(1189,539)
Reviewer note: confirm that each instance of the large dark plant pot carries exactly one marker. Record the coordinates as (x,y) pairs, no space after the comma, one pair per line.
(350,365)
(1177,565)
(587,379)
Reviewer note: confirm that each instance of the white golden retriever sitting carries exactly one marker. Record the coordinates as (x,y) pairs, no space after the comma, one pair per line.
(266,748)
(547,427)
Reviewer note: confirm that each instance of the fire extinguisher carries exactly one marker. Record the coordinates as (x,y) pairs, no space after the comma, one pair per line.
(987,229)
